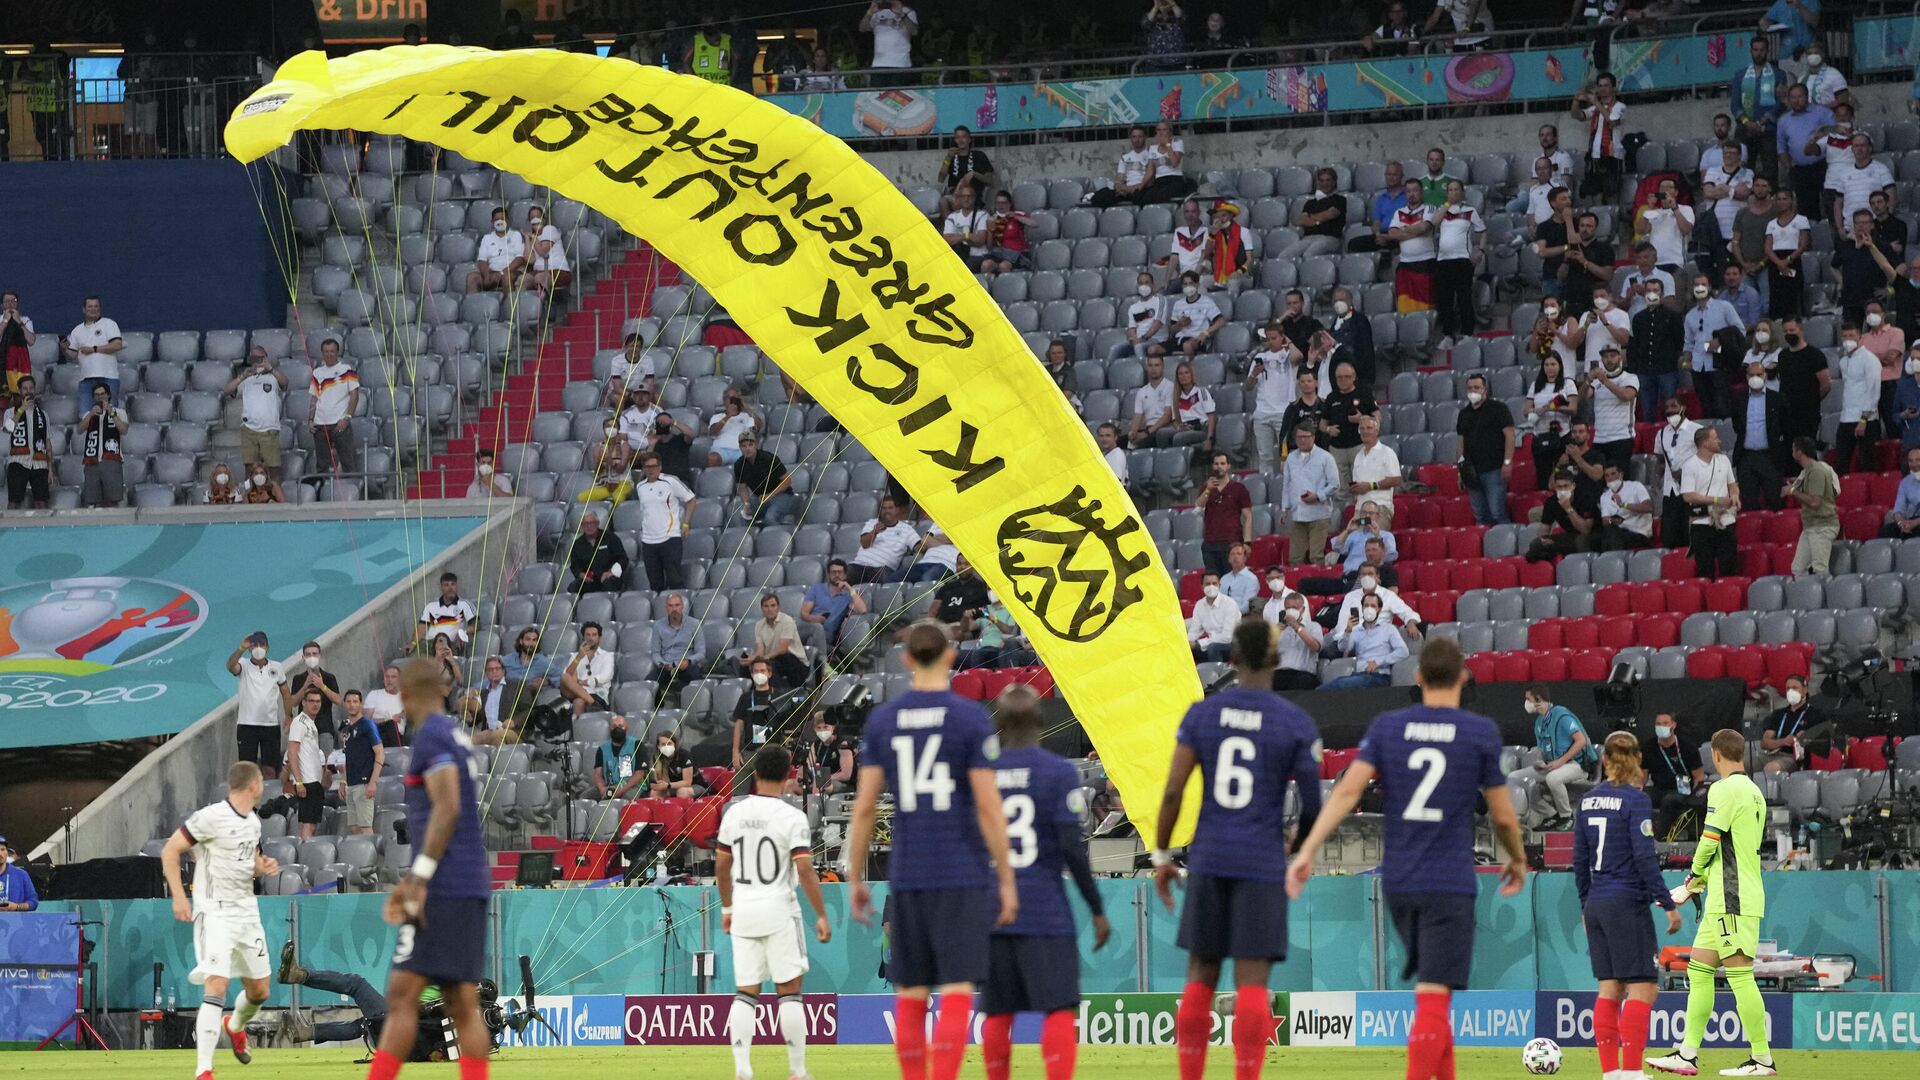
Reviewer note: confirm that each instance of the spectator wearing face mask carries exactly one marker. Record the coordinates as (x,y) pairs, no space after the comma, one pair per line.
(671,774)
(1626,513)
(1194,318)
(1817,490)
(310,675)
(1486,434)
(826,760)
(1375,645)
(1804,381)
(1566,754)
(1673,443)
(501,256)
(1675,780)
(16,888)
(1712,328)
(616,764)
(753,715)
(261,488)
(221,490)
(1760,446)
(264,703)
(1565,526)
(1210,627)
(1298,643)
(486,481)
(1860,428)
(1146,322)
(1373,579)
(1825,85)
(1794,731)
(1888,344)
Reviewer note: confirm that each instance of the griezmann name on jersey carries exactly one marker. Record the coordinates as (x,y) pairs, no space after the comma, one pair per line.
(441,744)
(1250,744)
(1433,765)
(1613,856)
(1040,792)
(926,741)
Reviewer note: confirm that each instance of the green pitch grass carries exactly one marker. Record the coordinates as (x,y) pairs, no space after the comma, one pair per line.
(876,1063)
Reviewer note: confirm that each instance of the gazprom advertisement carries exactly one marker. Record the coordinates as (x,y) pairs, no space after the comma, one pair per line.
(128,634)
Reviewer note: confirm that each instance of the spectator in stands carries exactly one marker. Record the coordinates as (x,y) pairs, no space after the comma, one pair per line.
(1240,584)
(1566,526)
(1535,200)
(1889,230)
(1794,730)
(1374,643)
(1863,267)
(1755,97)
(725,427)
(1460,240)
(1602,326)
(666,517)
(963,166)
(16,887)
(1394,36)
(1007,237)
(1747,242)
(965,230)
(448,615)
(1817,490)
(1709,488)
(365,759)
(1903,518)
(1366,540)
(1551,239)
(1860,428)
(501,256)
(1354,334)
(1433,185)
(1229,261)
(632,366)
(670,774)
(616,762)
(486,481)
(1566,753)
(1133,176)
(1146,321)
(893,25)
(1673,443)
(1388,202)
(1188,249)
(1298,641)
(1373,579)
(1325,212)
(827,604)
(1001,644)
(1153,403)
(1486,436)
(1859,178)
(1906,399)
(1824,83)
(885,540)
(261,390)
(679,652)
(1194,318)
(1169,152)
(1613,390)
(1271,377)
(1193,410)
(1578,459)
(1799,144)
(16,331)
(1603,113)
(1760,440)
(936,557)
(1411,233)
(1347,406)
(305,765)
(99,430)
(1713,329)
(587,679)
(1669,222)
(763,485)
(221,490)
(513,34)
(611,459)
(1552,401)
(1888,344)
(260,488)
(1060,370)
(1210,627)
(335,398)
(1165,28)
(1310,481)
(309,675)
(1108,436)
(1735,290)
(1788,236)
(776,640)
(1226,511)
(94,344)
(1375,471)
(1297,323)
(483,702)
(1626,512)
(826,760)
(598,558)
(1589,266)
(1675,781)
(262,705)
(636,423)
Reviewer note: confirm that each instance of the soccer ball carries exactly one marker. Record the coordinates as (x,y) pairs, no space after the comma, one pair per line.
(1541,1057)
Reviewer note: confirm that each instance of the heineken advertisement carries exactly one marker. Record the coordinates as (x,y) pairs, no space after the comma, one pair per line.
(123,631)
(1304,1019)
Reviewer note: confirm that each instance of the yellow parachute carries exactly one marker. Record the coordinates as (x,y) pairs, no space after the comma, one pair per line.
(856,296)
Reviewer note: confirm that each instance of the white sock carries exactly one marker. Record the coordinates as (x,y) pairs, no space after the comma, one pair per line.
(740,1035)
(1613,1075)
(245,1011)
(206,1033)
(793,1025)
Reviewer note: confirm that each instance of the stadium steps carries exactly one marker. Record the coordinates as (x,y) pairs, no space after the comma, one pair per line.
(567,356)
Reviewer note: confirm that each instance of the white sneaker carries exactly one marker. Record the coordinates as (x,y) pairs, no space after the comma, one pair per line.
(1676,1062)
(1751,1067)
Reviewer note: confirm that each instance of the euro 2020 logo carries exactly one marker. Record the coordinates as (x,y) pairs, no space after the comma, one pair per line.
(83,626)
(1068,567)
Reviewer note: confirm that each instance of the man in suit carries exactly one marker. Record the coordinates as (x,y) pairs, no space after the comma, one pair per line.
(1759,439)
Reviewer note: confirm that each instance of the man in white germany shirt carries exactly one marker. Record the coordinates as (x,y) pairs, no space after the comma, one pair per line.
(335,393)
(1108,436)
(449,616)
(666,516)
(893,25)
(1271,375)
(501,256)
(94,343)
(1146,321)
(884,541)
(965,230)
(1859,179)
(1153,402)
(262,703)
(261,390)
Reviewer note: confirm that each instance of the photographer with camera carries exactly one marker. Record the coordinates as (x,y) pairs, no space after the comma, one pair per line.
(826,760)
(262,391)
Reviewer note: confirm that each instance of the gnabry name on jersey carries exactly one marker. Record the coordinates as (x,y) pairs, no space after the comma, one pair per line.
(911,719)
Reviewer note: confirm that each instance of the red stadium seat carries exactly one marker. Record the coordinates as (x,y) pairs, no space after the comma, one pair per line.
(1042,682)
(703,824)
(1790,658)
(1412,577)
(1644,436)
(1890,456)
(1411,512)
(1861,523)
(1434,607)
(1523,474)
(1511,667)
(1455,513)
(1426,545)
(1582,633)
(1589,665)
(1750,529)
(1782,557)
(672,815)
(637,811)
(1707,663)
(1522,505)
(1536,575)
(1755,560)
(1617,634)
(1613,601)
(1444,479)
(717,777)
(1335,762)
(1646,597)
(1828,762)
(1503,573)
(1467,575)
(1676,566)
(1868,753)
(1190,584)
(1727,595)
(1658,631)
(1685,597)
(1783,527)
(1466,543)
(1268,551)
(969,684)
(1748,662)
(1482,666)
(1546,634)
(1855,490)
(1548,665)
(1882,488)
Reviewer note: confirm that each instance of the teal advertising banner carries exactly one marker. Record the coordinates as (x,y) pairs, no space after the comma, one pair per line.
(1476,78)
(1856,1021)
(126,633)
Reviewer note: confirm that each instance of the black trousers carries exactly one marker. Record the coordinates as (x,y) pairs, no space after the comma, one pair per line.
(1759,477)
(1856,442)
(1674,516)
(1715,552)
(1288,679)
(1453,296)
(1615,538)
(1807,181)
(662,563)
(1784,294)
(1710,388)
(1616,451)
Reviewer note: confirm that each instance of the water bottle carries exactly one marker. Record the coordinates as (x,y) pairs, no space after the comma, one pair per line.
(173,999)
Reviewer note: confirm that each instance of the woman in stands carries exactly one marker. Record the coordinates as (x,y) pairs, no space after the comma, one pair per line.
(1551,403)
(1617,874)
(1763,348)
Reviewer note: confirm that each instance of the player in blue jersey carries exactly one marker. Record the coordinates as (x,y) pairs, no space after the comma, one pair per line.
(934,750)
(1435,762)
(1248,744)
(1034,963)
(1618,875)
(441,903)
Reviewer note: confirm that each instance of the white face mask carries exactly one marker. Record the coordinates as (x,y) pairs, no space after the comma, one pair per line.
(1849,346)
(534,223)
(1874,319)
(1144,291)
(1675,420)
(1475,397)
(1370,615)
(1662,731)
(992,597)
(1756,382)
(760,679)
(1615,485)
(1654,296)
(486,470)
(313,663)
(222,478)
(612,430)
(1551,313)
(1274,585)
(1293,614)
(500,226)
(1814,60)
(259,479)
(258,653)
(1794,698)
(1341,307)
(1368,583)
(1700,292)
(1913,365)
(823,736)
(1761,337)
(1191,293)
(1601,303)
(1212,592)
(1563,494)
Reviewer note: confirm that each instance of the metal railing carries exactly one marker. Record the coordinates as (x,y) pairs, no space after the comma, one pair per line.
(158,105)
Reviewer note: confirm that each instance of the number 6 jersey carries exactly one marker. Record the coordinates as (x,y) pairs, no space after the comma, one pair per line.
(1250,744)
(764,834)
(927,741)
(1433,765)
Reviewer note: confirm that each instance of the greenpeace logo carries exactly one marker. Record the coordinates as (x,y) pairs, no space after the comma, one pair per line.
(266,104)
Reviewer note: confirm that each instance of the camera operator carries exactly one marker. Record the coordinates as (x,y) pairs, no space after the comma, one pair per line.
(1794,731)
(298,1025)
(825,759)
(616,765)
(1675,781)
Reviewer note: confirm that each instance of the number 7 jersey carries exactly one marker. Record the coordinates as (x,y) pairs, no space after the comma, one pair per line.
(926,741)
(1433,765)
(1250,744)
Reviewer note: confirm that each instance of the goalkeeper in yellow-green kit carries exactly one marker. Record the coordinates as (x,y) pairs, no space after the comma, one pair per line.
(1727,866)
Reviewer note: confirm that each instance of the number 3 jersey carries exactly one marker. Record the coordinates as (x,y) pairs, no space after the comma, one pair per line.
(225,842)
(764,834)
(1433,765)
(1250,743)
(926,741)
(1040,792)
(440,744)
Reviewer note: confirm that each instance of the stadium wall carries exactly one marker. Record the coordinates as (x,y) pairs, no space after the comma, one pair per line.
(188,771)
(166,245)
(611,941)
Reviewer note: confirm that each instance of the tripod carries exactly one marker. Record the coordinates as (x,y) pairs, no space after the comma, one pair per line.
(77,1023)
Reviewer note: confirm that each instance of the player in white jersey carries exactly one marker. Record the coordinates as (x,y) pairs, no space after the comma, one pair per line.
(227,936)
(764,848)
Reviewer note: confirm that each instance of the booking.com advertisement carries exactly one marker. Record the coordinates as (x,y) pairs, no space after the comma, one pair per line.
(128,634)
(1566,1017)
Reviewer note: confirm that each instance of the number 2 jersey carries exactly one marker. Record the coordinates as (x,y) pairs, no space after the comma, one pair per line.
(440,744)
(1040,792)
(926,741)
(225,842)
(1433,765)
(765,835)
(1250,744)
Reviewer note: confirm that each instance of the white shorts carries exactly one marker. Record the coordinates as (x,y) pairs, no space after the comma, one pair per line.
(776,958)
(225,947)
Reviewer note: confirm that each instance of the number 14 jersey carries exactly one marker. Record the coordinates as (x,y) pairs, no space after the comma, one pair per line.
(1250,744)
(1433,764)
(926,741)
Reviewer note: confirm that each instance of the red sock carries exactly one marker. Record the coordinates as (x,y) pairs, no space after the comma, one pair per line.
(1059,1043)
(996,1045)
(1634,1018)
(1606,1033)
(473,1068)
(950,1035)
(385,1066)
(909,1037)
(1192,1027)
(1252,1027)
(1430,1038)
(1446,1057)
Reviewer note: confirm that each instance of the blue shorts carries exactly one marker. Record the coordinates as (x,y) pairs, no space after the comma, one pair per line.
(450,946)
(727,454)
(1233,919)
(938,937)
(1031,974)
(1437,930)
(1621,941)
